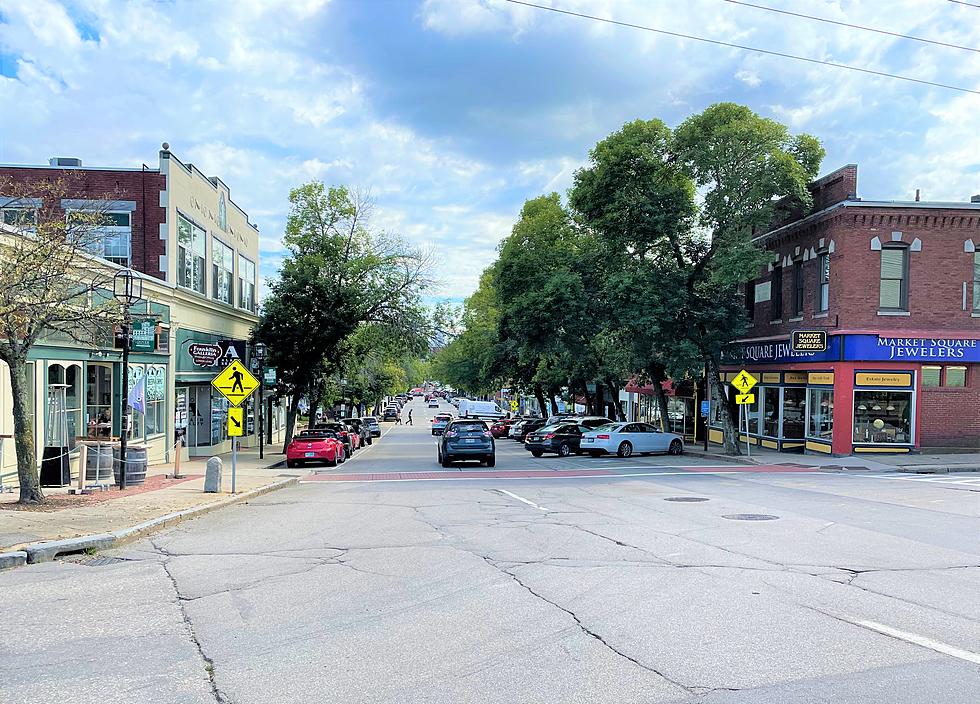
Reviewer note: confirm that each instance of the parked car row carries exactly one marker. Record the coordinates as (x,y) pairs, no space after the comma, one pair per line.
(332,442)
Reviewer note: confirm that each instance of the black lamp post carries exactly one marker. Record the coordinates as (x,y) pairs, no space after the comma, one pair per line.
(259,350)
(127,288)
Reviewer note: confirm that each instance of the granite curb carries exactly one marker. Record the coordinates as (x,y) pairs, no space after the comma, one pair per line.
(937,468)
(46,551)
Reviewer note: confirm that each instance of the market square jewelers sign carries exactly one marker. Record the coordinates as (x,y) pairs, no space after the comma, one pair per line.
(912,349)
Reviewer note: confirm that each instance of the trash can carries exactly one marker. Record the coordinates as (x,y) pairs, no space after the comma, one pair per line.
(135,465)
(98,466)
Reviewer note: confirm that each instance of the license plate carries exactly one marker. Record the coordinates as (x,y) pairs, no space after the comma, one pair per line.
(311,454)
(589,440)
(468,441)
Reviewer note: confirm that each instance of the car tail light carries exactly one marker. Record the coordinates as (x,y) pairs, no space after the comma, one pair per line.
(451,434)
(549,436)
(602,436)
(486,433)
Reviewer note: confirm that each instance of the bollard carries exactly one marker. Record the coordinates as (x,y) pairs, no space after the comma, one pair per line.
(212,477)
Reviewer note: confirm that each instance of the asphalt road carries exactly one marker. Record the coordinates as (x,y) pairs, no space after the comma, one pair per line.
(390,580)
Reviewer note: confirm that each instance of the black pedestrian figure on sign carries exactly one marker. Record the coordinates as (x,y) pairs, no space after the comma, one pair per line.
(236,377)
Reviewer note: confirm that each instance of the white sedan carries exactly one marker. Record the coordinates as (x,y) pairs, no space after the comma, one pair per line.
(627,439)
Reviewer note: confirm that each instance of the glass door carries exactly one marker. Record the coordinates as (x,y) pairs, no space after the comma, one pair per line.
(794,413)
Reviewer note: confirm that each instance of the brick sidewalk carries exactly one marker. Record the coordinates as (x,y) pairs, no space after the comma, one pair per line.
(102,512)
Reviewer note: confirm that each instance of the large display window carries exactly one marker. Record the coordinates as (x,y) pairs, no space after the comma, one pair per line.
(794,411)
(820,414)
(770,411)
(883,417)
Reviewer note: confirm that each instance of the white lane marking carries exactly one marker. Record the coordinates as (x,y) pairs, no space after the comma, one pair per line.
(916,639)
(575,476)
(522,499)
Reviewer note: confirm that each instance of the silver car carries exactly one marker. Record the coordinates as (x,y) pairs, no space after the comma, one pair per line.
(627,439)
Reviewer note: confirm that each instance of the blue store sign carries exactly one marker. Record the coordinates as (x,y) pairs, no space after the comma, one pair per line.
(910,349)
(777,352)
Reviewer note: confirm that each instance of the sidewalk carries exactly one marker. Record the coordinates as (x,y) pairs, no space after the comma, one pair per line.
(926,462)
(66,516)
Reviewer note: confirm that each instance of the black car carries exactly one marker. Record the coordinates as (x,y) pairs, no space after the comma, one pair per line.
(343,431)
(467,439)
(390,414)
(563,439)
(367,437)
(530,425)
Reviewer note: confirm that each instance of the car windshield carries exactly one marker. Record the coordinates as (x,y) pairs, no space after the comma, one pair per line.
(306,435)
(469,427)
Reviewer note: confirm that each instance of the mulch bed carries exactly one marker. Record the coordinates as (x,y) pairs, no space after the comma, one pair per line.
(60,502)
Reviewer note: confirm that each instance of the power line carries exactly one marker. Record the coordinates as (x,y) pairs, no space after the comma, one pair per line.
(968,4)
(746,48)
(854,26)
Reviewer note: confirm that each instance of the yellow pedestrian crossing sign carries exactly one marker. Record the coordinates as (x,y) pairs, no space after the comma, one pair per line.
(236,421)
(235,383)
(744,399)
(514,405)
(744,381)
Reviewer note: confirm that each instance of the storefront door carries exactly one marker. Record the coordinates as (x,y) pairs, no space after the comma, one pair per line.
(198,416)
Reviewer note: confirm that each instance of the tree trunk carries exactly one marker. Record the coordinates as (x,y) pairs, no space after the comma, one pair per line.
(616,402)
(291,414)
(314,409)
(554,403)
(659,377)
(539,395)
(600,400)
(728,425)
(589,406)
(27,474)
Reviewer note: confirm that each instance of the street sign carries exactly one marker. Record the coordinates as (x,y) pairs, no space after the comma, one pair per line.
(270,376)
(514,405)
(143,336)
(236,421)
(235,383)
(744,381)
(808,341)
(705,408)
(744,399)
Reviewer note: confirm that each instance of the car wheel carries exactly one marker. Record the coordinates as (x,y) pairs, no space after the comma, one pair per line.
(445,462)
(342,458)
(291,464)
(491,460)
(625,449)
(676,447)
(332,462)
(564,450)
(536,453)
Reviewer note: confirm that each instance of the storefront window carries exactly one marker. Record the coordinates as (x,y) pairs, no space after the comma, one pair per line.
(753,414)
(136,419)
(98,401)
(64,423)
(770,411)
(794,410)
(883,417)
(820,414)
(219,418)
(156,390)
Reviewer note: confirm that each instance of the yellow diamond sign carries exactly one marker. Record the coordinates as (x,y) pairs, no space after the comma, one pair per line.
(235,383)
(744,381)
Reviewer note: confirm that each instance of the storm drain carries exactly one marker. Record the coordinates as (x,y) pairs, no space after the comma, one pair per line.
(750,517)
(93,560)
(686,499)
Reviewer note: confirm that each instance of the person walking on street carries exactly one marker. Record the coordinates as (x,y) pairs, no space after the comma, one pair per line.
(398,417)
(409,417)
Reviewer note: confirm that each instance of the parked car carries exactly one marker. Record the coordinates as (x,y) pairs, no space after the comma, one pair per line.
(433,403)
(346,433)
(467,439)
(315,446)
(530,425)
(363,434)
(371,423)
(440,422)
(390,414)
(563,439)
(626,439)
(501,428)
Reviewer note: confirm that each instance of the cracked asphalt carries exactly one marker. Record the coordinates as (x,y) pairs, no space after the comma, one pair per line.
(863,590)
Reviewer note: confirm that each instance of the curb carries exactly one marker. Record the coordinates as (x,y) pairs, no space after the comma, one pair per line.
(734,459)
(936,468)
(47,551)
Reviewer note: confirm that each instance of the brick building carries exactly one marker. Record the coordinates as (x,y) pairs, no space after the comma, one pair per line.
(896,287)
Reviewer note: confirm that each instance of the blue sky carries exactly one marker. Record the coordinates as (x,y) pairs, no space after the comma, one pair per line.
(453,112)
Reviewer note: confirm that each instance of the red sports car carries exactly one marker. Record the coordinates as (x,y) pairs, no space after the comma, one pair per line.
(315,446)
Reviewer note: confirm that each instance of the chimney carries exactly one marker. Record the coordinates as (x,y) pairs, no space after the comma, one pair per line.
(64,161)
(975,199)
(916,195)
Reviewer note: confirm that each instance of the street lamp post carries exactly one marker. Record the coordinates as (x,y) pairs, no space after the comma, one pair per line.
(127,288)
(259,350)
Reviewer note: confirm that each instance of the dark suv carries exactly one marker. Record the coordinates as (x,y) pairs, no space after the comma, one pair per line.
(367,437)
(467,440)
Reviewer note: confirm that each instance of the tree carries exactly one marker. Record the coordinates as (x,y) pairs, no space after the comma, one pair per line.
(337,276)
(749,168)
(50,283)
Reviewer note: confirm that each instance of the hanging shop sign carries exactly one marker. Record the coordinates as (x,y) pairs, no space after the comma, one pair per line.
(808,341)
(270,376)
(204,355)
(143,336)
(231,351)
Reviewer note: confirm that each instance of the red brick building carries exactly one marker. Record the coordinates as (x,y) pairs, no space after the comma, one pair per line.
(139,218)
(896,287)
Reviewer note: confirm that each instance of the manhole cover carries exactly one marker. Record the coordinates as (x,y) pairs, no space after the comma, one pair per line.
(750,517)
(686,499)
(93,560)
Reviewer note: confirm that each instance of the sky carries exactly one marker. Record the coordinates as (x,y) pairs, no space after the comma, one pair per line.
(452,113)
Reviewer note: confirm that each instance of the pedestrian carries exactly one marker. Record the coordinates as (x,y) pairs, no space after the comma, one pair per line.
(398,417)
(409,417)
